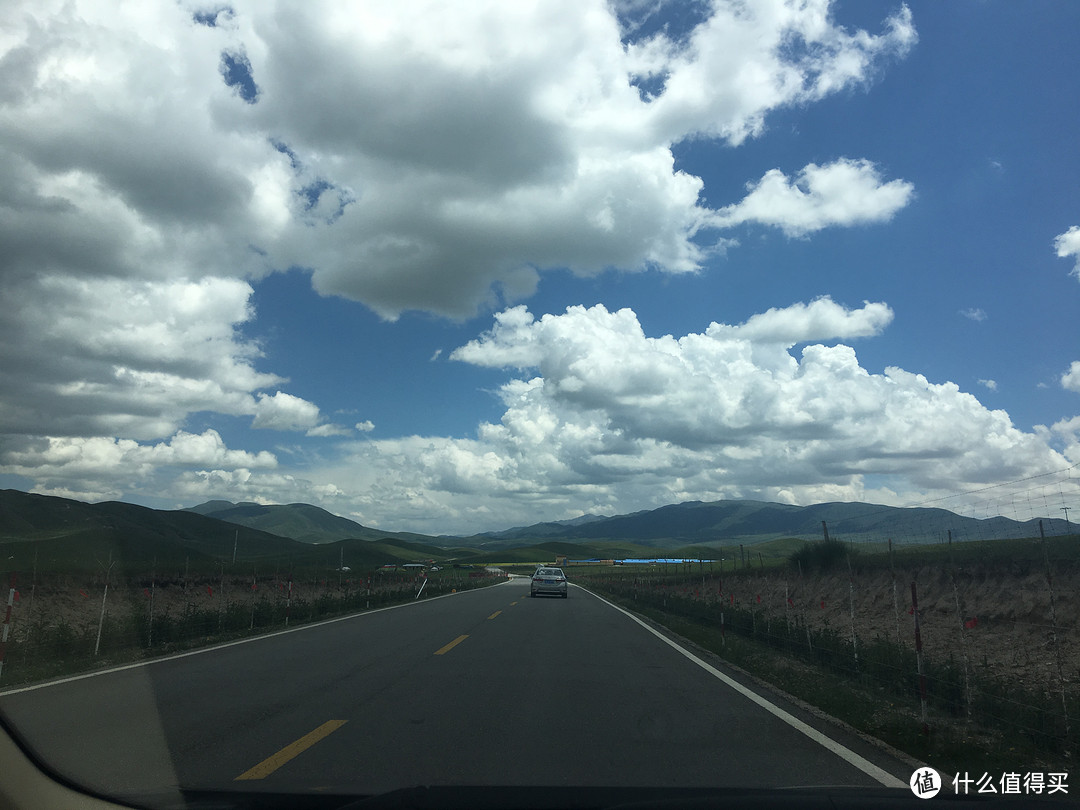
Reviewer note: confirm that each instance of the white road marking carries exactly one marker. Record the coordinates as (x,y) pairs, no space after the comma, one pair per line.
(864,765)
(216,647)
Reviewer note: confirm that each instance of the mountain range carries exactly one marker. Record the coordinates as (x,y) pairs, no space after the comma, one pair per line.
(217,527)
(749,522)
(672,526)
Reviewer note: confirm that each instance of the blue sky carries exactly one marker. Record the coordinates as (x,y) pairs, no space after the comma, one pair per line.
(456,270)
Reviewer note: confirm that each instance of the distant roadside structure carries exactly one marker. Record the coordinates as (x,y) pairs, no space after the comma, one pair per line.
(640,561)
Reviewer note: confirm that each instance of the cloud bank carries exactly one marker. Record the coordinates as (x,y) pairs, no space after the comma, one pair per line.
(600,417)
(158,158)
(412,155)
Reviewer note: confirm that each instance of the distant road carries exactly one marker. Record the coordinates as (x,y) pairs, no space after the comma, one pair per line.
(482,687)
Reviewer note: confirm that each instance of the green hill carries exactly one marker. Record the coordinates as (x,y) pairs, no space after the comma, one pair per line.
(299,521)
(65,534)
(58,534)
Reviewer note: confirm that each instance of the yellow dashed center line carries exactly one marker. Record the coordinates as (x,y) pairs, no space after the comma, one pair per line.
(496,613)
(271,764)
(512,604)
(451,645)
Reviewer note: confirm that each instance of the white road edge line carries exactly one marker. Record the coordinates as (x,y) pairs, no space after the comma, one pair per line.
(215,647)
(864,765)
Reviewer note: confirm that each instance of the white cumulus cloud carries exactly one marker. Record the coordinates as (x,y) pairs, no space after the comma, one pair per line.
(100,468)
(844,193)
(105,356)
(736,395)
(282,411)
(1068,244)
(745,59)
(598,416)
(606,418)
(822,319)
(418,155)
(1071,378)
(383,145)
(158,157)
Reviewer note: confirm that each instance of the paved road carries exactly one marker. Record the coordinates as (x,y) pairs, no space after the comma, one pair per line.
(482,687)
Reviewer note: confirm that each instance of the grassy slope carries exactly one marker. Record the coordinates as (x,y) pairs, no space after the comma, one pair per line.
(63,536)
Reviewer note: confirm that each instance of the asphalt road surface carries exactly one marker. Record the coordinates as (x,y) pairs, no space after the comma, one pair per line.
(485,687)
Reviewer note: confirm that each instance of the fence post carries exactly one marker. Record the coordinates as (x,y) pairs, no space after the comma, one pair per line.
(7,623)
(104,596)
(288,600)
(221,601)
(150,625)
(30,606)
(851,606)
(1053,628)
(802,610)
(895,600)
(918,658)
(963,635)
(787,609)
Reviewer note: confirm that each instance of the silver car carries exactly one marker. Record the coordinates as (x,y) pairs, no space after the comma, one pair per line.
(549,580)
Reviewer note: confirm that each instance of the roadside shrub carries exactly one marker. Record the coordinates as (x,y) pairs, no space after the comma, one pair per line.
(821,555)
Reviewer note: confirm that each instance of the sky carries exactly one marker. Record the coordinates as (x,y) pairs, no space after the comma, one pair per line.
(451,268)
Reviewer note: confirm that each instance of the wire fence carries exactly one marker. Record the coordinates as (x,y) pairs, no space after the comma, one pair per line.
(981,633)
(62,624)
